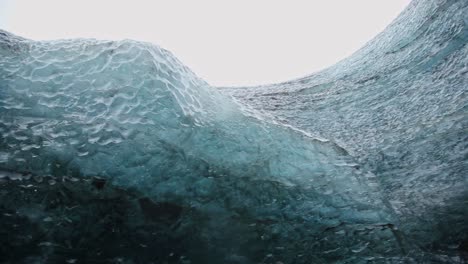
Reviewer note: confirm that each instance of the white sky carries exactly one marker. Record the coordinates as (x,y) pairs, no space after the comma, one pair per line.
(236,42)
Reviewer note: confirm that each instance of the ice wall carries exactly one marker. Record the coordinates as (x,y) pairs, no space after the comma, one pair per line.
(364,161)
(130,112)
(399,105)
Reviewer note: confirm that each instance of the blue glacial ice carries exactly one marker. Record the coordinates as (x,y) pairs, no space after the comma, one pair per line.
(399,107)
(364,161)
(131,112)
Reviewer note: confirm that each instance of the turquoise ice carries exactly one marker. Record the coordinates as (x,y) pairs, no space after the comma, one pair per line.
(357,162)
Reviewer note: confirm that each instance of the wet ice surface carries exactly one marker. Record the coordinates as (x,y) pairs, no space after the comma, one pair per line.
(131,113)
(399,107)
(363,162)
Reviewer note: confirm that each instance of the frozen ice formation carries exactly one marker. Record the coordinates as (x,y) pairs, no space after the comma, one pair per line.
(325,168)
(129,111)
(399,106)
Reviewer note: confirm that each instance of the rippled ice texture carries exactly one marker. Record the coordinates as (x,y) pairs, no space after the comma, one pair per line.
(131,112)
(399,106)
(329,165)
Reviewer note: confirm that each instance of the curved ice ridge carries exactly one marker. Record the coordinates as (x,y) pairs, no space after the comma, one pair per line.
(399,105)
(131,112)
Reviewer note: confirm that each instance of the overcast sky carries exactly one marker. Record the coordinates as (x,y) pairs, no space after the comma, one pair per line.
(237,42)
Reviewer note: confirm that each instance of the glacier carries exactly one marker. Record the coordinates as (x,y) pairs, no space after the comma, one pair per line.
(364,162)
(399,107)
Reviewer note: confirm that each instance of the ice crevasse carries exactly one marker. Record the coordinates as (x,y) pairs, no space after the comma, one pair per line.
(354,163)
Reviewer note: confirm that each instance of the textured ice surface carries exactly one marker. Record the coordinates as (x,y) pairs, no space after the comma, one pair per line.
(129,111)
(399,106)
(327,168)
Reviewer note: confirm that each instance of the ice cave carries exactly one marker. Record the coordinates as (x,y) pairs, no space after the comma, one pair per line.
(115,152)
